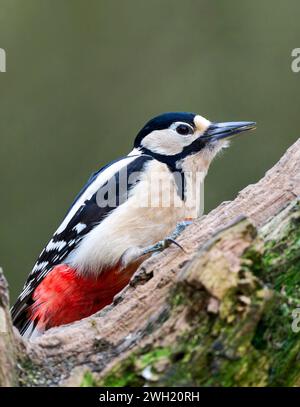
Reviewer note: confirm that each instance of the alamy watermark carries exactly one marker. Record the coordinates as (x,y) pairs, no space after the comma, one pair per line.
(295,66)
(2,60)
(155,190)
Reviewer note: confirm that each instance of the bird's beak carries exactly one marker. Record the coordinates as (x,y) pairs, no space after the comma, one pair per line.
(218,131)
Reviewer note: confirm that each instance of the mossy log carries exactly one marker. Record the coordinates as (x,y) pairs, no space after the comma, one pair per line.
(222,313)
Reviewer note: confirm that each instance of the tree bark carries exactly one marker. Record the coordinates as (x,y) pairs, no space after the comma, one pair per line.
(8,341)
(221,313)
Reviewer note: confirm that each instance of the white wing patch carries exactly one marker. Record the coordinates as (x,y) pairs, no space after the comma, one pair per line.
(94,187)
(80,227)
(55,245)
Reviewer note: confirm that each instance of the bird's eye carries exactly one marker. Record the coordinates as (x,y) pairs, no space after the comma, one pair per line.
(184,129)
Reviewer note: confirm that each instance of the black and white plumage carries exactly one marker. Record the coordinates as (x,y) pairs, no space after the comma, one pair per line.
(82,217)
(93,238)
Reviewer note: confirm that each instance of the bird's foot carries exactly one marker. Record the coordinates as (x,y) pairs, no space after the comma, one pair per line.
(135,253)
(167,241)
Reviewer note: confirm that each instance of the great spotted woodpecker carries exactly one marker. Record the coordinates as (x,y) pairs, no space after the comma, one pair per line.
(112,225)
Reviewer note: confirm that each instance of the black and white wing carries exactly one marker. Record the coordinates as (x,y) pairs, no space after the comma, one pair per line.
(84,214)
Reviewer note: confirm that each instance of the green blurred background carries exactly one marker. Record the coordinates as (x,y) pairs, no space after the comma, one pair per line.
(83,77)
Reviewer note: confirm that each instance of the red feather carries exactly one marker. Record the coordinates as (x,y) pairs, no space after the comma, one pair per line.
(65,296)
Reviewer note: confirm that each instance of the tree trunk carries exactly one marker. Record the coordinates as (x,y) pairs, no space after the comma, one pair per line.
(222,313)
(8,342)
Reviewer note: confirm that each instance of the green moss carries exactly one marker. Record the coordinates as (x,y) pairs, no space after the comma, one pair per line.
(274,338)
(29,373)
(88,380)
(154,356)
(123,374)
(278,265)
(130,371)
(177,299)
(277,261)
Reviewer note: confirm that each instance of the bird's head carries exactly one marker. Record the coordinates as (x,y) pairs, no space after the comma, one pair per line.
(174,137)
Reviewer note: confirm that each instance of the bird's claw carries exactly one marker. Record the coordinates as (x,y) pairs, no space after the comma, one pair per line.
(171,239)
(180,227)
(135,253)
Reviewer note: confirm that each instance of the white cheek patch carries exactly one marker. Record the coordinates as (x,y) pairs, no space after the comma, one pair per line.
(166,142)
(201,123)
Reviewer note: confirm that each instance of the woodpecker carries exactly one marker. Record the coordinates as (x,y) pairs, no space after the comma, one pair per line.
(107,232)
